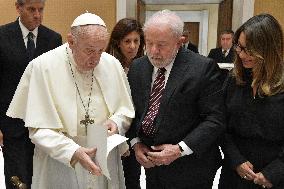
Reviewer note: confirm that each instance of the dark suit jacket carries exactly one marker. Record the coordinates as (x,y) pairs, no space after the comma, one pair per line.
(191,111)
(192,47)
(13,61)
(216,54)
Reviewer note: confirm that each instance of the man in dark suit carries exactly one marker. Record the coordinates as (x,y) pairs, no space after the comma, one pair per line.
(17,48)
(225,53)
(186,42)
(179,113)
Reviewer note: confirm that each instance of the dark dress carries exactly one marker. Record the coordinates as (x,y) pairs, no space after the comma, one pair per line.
(255,133)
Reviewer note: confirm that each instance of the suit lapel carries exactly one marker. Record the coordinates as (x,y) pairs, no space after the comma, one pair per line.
(16,39)
(146,82)
(41,43)
(179,69)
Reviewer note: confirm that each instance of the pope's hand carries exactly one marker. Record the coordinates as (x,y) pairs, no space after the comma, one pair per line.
(111,127)
(83,156)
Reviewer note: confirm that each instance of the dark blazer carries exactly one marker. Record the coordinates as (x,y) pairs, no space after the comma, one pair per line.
(190,111)
(13,61)
(192,47)
(255,133)
(216,54)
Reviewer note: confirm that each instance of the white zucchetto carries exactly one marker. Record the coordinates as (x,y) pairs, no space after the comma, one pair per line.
(88,19)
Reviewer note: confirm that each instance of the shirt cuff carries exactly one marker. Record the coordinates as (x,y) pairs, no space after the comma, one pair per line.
(185,148)
(134,141)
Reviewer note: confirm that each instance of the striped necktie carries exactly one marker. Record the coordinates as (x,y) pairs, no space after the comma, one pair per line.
(154,103)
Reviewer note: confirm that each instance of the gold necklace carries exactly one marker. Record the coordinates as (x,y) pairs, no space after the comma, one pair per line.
(87,119)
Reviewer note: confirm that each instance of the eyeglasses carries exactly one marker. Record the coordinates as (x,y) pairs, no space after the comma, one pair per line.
(238,48)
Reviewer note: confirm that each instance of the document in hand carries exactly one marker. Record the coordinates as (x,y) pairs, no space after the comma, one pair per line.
(98,137)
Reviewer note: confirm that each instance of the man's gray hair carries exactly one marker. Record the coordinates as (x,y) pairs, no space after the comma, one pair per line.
(84,31)
(166,17)
(22,2)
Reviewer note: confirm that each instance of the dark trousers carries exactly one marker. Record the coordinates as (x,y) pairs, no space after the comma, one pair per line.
(132,171)
(18,159)
(154,180)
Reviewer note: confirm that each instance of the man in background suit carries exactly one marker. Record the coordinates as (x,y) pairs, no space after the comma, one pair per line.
(225,53)
(16,50)
(186,42)
(179,113)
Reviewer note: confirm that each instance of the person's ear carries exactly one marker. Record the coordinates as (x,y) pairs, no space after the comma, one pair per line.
(181,40)
(70,40)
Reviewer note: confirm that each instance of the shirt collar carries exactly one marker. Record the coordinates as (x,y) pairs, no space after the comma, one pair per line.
(168,67)
(25,30)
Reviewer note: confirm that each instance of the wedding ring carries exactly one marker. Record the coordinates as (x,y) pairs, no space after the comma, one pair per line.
(263,186)
(245,177)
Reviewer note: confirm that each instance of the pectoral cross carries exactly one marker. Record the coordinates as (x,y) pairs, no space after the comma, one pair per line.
(86,121)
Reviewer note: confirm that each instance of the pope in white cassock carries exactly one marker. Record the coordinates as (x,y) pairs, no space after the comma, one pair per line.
(60,94)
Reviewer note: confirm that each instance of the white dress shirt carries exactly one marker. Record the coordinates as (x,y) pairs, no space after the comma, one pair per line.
(25,32)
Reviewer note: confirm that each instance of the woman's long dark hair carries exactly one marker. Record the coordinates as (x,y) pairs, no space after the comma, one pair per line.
(120,30)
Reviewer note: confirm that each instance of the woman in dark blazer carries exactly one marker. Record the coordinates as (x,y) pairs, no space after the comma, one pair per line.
(254,99)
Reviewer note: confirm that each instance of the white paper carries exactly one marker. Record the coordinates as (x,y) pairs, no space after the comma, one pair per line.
(98,137)
(227,66)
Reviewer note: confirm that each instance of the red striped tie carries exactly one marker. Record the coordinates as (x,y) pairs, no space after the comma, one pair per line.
(154,103)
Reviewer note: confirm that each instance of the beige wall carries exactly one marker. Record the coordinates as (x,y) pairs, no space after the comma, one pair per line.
(273,7)
(59,14)
(213,17)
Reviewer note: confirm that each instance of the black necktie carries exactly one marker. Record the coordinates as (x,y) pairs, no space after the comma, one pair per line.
(224,53)
(30,46)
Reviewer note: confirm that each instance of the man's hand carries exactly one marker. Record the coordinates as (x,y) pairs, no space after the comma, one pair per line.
(262,181)
(141,151)
(1,139)
(164,154)
(111,127)
(83,156)
(245,170)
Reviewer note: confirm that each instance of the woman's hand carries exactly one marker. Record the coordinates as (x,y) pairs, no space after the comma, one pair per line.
(245,170)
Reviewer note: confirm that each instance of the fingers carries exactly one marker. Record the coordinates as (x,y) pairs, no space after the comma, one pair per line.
(111,127)
(83,156)
(262,181)
(91,152)
(140,153)
(245,171)
(127,153)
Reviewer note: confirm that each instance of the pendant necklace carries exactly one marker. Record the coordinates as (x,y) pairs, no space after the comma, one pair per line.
(87,119)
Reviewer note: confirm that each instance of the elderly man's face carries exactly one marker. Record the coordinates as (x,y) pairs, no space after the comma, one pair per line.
(161,45)
(87,50)
(31,13)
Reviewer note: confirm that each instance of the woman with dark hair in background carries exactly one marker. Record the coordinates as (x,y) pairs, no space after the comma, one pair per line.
(127,43)
(254,99)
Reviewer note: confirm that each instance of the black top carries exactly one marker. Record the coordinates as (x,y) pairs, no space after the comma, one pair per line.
(255,133)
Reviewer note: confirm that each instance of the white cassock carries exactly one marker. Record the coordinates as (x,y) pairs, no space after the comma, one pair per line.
(47,100)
